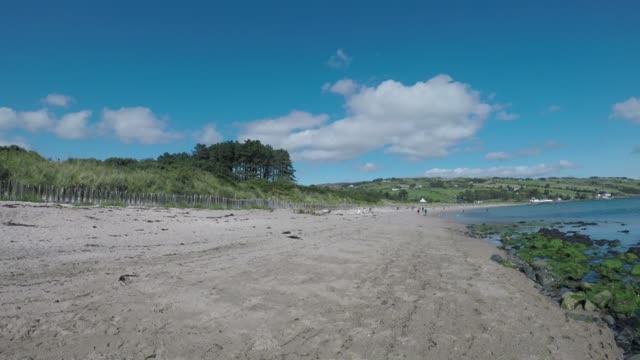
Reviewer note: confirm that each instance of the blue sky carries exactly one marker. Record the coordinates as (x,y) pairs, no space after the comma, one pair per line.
(354,91)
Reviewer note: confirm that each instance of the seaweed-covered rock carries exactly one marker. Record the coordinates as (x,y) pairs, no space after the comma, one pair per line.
(602,298)
(581,316)
(589,306)
(573,238)
(634,250)
(569,301)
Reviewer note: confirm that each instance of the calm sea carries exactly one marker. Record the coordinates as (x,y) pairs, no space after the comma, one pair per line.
(613,217)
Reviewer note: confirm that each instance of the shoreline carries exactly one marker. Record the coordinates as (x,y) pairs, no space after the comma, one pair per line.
(90,282)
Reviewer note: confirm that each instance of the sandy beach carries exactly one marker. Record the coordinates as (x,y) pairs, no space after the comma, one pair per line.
(134,283)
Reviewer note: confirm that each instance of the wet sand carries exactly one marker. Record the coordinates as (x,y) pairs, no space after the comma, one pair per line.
(386,284)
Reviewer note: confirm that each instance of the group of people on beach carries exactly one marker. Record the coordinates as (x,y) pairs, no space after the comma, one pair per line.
(423,209)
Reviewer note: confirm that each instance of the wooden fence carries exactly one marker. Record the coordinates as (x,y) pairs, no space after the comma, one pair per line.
(15,191)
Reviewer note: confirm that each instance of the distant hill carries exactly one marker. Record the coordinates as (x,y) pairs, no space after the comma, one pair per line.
(467,190)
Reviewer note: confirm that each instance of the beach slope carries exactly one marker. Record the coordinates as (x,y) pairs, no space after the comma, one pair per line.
(111,283)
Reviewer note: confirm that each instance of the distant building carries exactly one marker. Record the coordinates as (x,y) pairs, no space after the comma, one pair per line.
(395,189)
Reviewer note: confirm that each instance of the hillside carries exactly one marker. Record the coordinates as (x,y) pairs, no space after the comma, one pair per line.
(184,174)
(493,189)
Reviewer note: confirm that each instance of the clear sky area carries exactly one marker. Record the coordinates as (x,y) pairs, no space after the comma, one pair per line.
(354,90)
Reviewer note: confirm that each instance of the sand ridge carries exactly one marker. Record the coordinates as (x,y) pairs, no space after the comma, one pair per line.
(380,284)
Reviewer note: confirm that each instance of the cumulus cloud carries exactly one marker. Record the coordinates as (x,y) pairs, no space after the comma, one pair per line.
(209,135)
(423,120)
(137,124)
(554,108)
(501,156)
(504,171)
(340,59)
(58,100)
(344,87)
(627,110)
(73,126)
(28,120)
(368,167)
(275,132)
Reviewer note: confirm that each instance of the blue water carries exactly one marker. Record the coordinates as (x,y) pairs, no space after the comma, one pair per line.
(611,216)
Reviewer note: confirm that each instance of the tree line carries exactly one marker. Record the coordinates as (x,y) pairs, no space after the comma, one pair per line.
(237,161)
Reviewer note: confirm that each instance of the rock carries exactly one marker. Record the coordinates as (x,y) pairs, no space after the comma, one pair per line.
(634,250)
(528,270)
(625,339)
(633,357)
(589,306)
(497,258)
(546,279)
(585,286)
(624,231)
(574,238)
(568,301)
(602,298)
(609,319)
(580,316)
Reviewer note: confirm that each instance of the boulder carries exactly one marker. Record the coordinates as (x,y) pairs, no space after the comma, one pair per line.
(602,298)
(634,250)
(546,279)
(589,306)
(580,316)
(568,301)
(497,258)
(528,270)
(608,319)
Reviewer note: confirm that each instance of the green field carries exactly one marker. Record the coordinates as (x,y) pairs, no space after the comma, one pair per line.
(468,190)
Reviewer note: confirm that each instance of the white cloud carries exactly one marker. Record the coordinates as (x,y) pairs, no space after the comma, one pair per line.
(8,118)
(276,131)
(137,124)
(423,120)
(209,135)
(500,156)
(73,126)
(28,120)
(36,120)
(504,171)
(506,116)
(628,110)
(58,100)
(368,167)
(340,59)
(515,154)
(344,87)
(554,108)
(17,140)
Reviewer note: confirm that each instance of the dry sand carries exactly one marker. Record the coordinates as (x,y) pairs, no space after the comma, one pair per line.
(267,285)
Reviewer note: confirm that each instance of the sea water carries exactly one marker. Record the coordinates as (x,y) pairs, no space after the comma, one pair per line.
(613,218)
